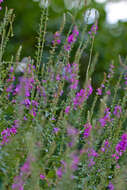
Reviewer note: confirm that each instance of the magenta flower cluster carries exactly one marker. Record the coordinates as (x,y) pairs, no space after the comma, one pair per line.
(75,161)
(70,75)
(121,147)
(99,90)
(111,71)
(87,130)
(103,121)
(93,29)
(106,146)
(56,38)
(25,86)
(1,1)
(82,95)
(117,111)
(71,39)
(91,155)
(7,133)
(111,186)
(19,181)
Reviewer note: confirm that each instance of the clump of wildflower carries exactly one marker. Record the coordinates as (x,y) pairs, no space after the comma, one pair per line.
(67,109)
(103,121)
(111,186)
(121,147)
(111,71)
(108,92)
(42,92)
(75,161)
(42,176)
(20,180)
(117,111)
(56,130)
(71,39)
(1,1)
(91,155)
(91,162)
(93,29)
(87,130)
(25,85)
(6,133)
(99,91)
(59,172)
(81,96)
(56,38)
(72,133)
(70,75)
(106,146)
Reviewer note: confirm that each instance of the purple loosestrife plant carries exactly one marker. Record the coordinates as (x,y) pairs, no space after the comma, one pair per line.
(71,39)
(120,147)
(73,133)
(1,1)
(93,30)
(81,96)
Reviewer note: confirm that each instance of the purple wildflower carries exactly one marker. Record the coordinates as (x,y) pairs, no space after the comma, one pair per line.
(26,167)
(56,130)
(99,91)
(75,161)
(19,181)
(1,1)
(92,153)
(71,39)
(70,75)
(81,96)
(111,186)
(42,176)
(106,146)
(6,133)
(11,69)
(87,129)
(111,71)
(67,47)
(67,110)
(75,31)
(91,162)
(58,77)
(25,118)
(108,92)
(93,30)
(59,172)
(103,121)
(117,111)
(56,38)
(72,131)
(121,147)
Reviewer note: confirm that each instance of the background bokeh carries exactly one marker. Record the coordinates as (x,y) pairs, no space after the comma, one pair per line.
(110,39)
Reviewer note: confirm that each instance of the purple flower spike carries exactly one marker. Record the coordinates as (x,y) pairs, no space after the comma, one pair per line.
(117,111)
(71,39)
(42,176)
(93,30)
(87,130)
(59,172)
(67,110)
(111,186)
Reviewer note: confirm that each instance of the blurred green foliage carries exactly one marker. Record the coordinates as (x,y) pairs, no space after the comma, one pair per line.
(110,39)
